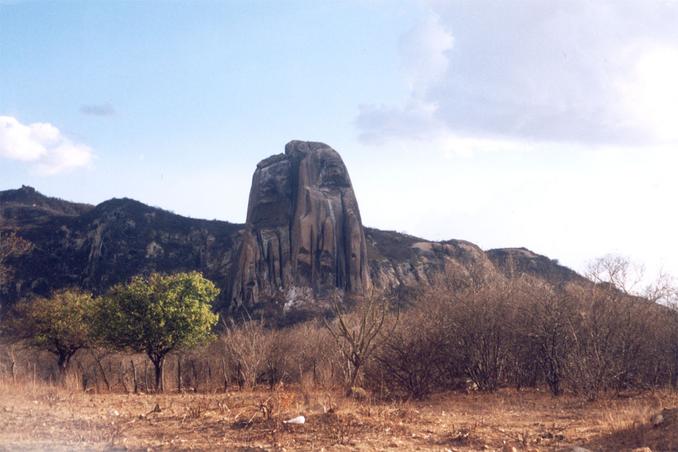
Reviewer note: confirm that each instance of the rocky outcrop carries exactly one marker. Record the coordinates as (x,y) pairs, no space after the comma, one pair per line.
(521,260)
(106,244)
(303,228)
(303,238)
(400,261)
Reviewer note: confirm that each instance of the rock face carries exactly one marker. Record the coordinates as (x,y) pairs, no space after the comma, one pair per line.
(96,247)
(522,260)
(303,238)
(303,228)
(400,261)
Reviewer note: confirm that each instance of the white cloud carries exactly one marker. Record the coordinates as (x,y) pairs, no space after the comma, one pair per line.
(42,145)
(650,92)
(550,125)
(601,73)
(424,52)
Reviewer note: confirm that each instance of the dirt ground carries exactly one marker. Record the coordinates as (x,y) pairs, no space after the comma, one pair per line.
(49,418)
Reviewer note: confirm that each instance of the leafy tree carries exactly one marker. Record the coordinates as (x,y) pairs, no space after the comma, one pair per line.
(61,324)
(158,314)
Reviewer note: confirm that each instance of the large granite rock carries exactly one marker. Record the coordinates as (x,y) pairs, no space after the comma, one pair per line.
(303,228)
(303,238)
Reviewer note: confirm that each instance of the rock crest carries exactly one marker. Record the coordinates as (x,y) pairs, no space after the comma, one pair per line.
(303,228)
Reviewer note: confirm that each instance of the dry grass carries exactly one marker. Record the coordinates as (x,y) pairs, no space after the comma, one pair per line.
(38,416)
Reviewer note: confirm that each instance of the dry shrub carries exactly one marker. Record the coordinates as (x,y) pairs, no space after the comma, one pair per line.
(246,349)
(590,338)
(483,325)
(253,353)
(587,338)
(407,363)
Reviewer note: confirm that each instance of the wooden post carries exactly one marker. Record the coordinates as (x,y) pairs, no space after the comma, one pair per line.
(195,376)
(12,363)
(98,359)
(179,381)
(134,375)
(223,368)
(123,375)
(85,381)
(146,375)
(209,376)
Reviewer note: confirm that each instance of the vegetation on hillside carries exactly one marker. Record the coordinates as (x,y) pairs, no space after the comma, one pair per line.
(582,339)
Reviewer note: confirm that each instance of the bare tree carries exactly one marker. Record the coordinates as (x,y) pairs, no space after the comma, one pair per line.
(246,348)
(665,292)
(547,316)
(483,324)
(356,332)
(612,333)
(616,272)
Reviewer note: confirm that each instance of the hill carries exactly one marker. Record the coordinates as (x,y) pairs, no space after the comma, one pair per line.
(303,238)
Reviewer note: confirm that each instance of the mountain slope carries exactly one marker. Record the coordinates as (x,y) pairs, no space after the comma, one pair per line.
(303,238)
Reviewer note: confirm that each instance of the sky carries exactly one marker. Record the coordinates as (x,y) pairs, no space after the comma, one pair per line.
(549,125)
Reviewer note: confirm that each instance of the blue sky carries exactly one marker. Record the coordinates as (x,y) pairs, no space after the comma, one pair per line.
(195,90)
(548,125)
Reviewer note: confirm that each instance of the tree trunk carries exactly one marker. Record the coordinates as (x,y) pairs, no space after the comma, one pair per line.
(63,359)
(83,373)
(134,375)
(123,376)
(353,378)
(158,364)
(179,382)
(146,376)
(12,363)
(195,376)
(97,359)
(209,376)
(225,372)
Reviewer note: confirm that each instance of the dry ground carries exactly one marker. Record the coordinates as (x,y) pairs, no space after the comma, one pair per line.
(45,417)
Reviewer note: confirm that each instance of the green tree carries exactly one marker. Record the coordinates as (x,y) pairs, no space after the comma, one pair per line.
(158,314)
(61,324)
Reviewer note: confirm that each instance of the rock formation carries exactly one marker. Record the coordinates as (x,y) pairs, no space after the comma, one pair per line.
(303,238)
(96,247)
(303,228)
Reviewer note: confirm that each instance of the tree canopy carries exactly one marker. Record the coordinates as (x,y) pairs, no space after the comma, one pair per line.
(61,324)
(158,314)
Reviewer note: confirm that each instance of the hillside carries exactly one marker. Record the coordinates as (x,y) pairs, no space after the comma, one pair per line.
(303,238)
